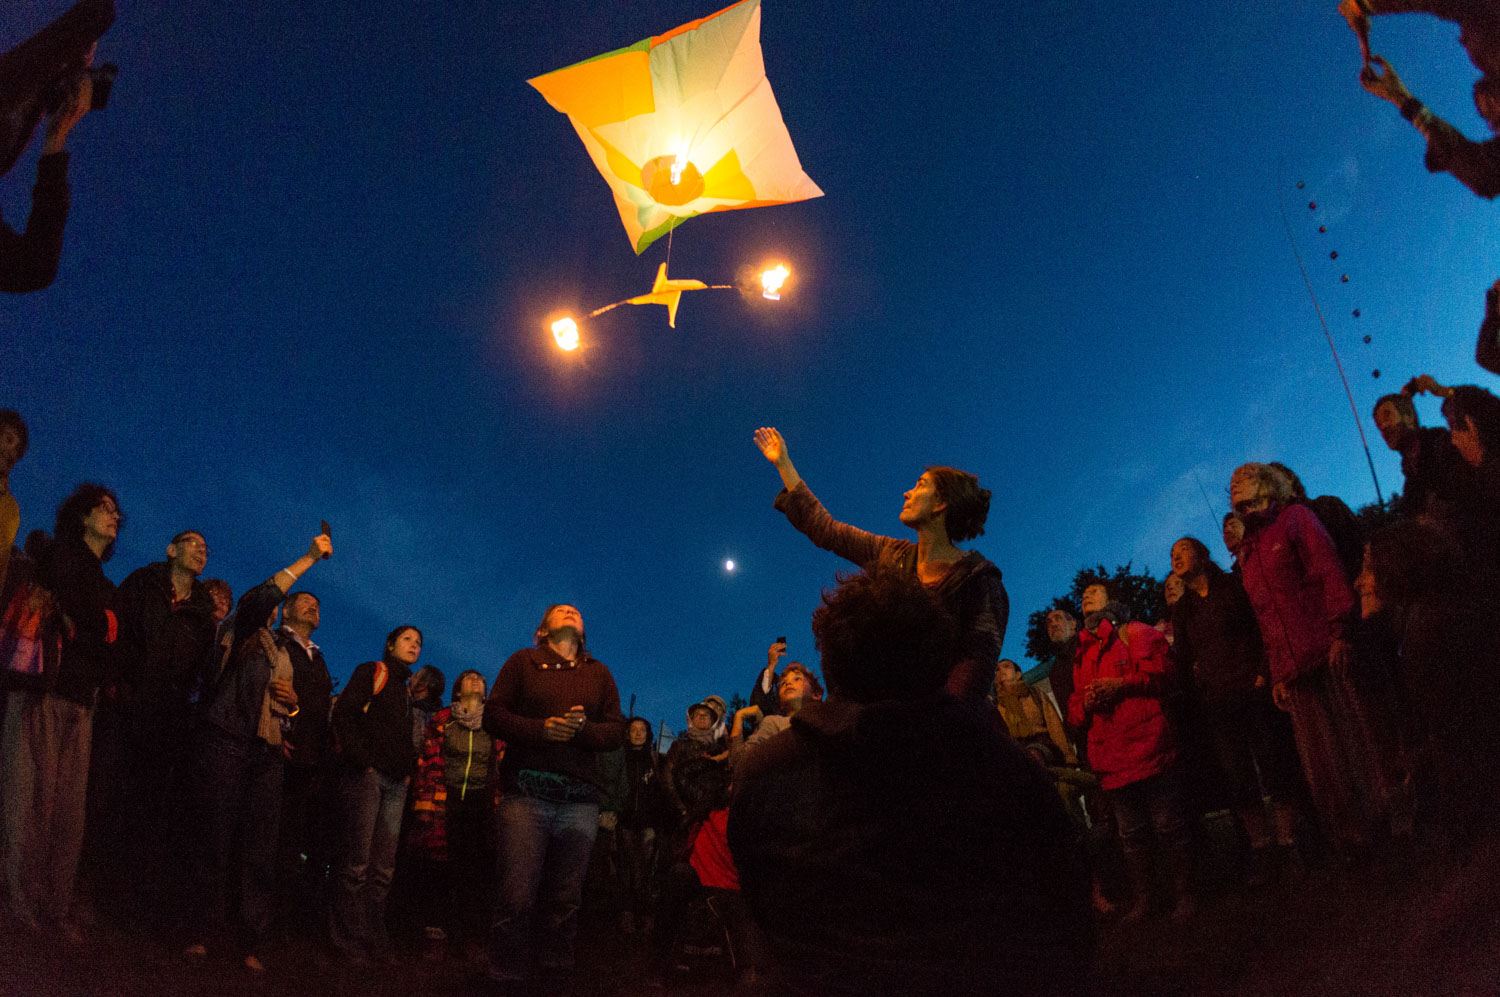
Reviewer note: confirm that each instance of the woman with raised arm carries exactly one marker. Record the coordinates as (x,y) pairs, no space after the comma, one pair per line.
(945,506)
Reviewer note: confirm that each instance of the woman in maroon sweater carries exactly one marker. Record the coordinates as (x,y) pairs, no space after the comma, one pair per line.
(557,709)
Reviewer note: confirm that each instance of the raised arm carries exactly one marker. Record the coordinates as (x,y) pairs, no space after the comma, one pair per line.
(256,605)
(1475,164)
(287,577)
(768,438)
(803,510)
(763,694)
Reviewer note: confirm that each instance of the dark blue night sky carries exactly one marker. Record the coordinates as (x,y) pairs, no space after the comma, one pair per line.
(313,246)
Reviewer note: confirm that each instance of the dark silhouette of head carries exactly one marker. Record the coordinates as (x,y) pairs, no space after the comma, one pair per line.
(883,636)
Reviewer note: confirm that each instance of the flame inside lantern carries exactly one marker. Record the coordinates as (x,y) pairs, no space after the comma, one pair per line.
(771,281)
(565,331)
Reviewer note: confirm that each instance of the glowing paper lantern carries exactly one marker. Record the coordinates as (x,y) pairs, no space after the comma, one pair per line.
(683,123)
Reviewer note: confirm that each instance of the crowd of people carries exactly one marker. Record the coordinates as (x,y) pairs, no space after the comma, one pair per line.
(1326,690)
(181,756)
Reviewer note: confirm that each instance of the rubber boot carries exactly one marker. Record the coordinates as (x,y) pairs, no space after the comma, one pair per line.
(1138,871)
(1180,863)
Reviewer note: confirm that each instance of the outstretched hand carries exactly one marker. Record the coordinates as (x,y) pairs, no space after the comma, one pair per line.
(1359,23)
(768,438)
(1384,84)
(321,547)
(1425,384)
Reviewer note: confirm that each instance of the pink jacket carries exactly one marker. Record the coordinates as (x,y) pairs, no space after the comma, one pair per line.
(1297,587)
(1132,739)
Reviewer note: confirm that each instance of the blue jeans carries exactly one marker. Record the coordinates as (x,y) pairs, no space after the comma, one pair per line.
(543,858)
(373,803)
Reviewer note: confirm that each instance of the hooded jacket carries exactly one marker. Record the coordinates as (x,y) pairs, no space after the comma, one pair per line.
(1131,739)
(972,590)
(1296,584)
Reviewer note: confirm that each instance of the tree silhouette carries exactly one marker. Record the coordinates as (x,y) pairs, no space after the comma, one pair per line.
(1141,591)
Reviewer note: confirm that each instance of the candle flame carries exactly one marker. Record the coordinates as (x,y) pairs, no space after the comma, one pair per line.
(771,281)
(565,331)
(679,164)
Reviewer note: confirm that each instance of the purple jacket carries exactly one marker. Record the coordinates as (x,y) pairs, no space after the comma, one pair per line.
(1298,590)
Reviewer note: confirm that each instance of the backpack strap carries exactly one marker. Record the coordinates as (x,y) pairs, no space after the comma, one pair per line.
(382,673)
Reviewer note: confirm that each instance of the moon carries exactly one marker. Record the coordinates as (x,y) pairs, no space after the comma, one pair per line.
(729,564)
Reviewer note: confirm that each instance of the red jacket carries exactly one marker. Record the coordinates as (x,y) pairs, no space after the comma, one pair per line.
(1132,739)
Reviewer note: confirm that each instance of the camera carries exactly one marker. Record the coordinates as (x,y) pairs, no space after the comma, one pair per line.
(103,78)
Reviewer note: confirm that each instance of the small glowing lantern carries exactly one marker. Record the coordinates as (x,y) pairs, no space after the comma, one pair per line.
(565,331)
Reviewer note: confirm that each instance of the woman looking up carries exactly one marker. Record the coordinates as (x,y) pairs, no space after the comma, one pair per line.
(945,507)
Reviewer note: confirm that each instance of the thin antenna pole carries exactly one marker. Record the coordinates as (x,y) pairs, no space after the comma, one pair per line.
(1354,410)
(1212,515)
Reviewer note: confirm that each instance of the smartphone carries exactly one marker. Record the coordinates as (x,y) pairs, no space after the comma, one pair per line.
(781,640)
(327,532)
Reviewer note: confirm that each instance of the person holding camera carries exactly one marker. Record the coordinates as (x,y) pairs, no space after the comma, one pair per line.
(245,708)
(29,259)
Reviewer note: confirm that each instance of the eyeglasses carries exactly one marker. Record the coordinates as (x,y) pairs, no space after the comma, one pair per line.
(191,542)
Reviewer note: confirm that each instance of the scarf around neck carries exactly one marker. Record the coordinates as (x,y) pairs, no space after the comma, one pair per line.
(468,716)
